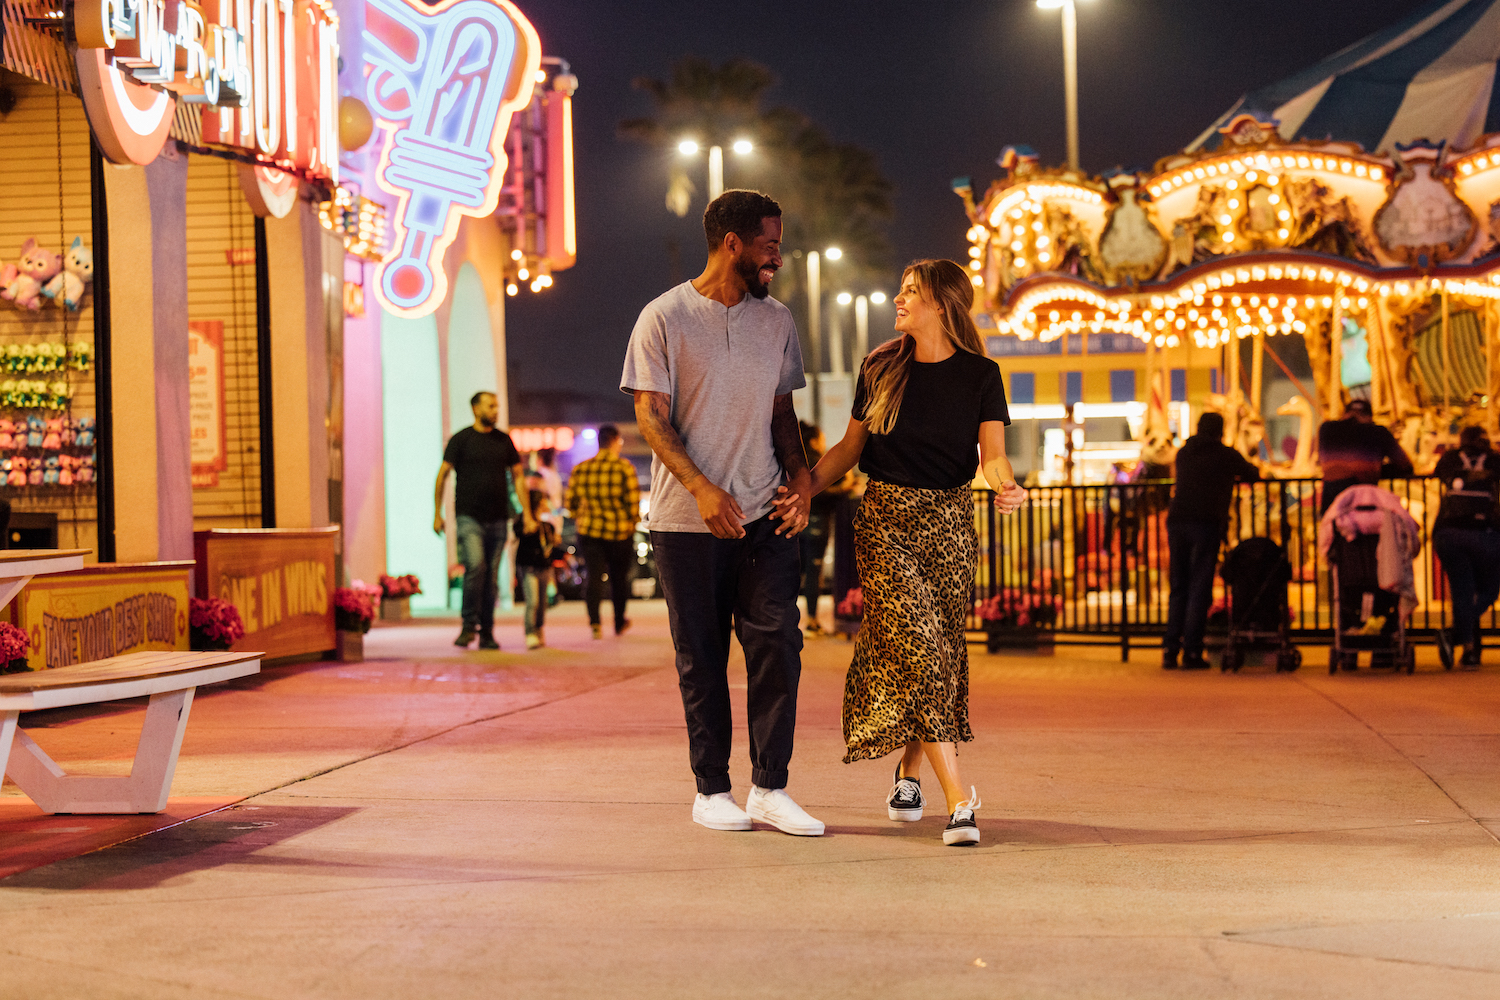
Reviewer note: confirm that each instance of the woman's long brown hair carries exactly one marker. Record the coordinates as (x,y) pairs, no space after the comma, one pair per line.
(889,366)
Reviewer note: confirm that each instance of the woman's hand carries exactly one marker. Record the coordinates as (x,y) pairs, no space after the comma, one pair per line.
(1010,497)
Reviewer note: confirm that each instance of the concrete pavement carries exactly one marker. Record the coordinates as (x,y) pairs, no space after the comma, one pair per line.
(442,824)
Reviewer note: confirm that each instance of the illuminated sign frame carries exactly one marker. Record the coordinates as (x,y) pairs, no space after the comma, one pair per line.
(443,84)
(265,73)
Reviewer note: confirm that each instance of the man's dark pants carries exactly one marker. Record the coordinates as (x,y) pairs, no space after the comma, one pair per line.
(1194,547)
(1471,559)
(751,583)
(615,557)
(480,544)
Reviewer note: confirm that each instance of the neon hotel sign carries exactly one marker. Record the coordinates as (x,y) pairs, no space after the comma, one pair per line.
(265,73)
(443,83)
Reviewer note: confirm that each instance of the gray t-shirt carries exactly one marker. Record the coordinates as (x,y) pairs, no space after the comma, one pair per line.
(723,368)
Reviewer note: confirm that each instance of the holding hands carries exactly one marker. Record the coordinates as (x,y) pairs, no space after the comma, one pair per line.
(1010,497)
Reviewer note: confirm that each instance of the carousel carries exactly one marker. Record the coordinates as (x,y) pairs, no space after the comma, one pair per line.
(1354,207)
(1340,207)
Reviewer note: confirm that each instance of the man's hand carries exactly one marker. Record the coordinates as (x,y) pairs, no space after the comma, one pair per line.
(793,504)
(437,523)
(718,510)
(1010,497)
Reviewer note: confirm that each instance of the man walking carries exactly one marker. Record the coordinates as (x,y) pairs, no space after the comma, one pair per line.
(481,456)
(604,496)
(1357,450)
(1207,469)
(712,365)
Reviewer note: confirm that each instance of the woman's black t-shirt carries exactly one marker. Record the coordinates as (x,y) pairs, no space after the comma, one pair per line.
(934,444)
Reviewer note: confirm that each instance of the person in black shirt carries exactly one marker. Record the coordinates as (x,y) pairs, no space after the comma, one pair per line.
(1357,450)
(928,410)
(481,456)
(1466,537)
(1207,469)
(536,554)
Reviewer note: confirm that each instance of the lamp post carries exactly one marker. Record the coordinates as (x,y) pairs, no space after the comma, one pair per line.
(1070,70)
(689,147)
(815,322)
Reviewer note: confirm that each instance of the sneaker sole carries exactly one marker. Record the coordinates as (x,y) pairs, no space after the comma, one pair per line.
(795,831)
(961,838)
(735,827)
(904,815)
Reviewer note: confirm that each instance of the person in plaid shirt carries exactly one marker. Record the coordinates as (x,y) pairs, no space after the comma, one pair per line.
(605,498)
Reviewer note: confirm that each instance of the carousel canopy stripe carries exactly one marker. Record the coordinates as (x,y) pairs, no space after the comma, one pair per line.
(1429,76)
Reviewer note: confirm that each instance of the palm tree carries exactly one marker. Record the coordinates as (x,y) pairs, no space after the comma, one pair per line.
(701,101)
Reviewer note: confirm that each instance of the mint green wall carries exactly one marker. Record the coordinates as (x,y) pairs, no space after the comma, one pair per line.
(471,349)
(412,388)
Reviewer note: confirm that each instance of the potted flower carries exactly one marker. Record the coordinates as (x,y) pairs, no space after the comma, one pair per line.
(395,596)
(1018,620)
(213,624)
(15,644)
(353,613)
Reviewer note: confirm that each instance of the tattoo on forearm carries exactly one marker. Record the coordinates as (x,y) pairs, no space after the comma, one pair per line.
(786,438)
(652,414)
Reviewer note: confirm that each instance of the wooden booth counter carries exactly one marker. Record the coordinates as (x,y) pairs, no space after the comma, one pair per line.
(280,579)
(103,610)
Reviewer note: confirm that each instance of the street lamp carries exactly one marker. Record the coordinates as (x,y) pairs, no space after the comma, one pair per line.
(861,323)
(690,147)
(1070,70)
(815,322)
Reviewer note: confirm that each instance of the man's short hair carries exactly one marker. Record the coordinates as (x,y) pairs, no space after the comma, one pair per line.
(1470,435)
(1211,425)
(740,212)
(1360,406)
(474,399)
(608,435)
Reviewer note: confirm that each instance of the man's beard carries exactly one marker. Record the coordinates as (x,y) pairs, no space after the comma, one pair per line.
(489,422)
(750,272)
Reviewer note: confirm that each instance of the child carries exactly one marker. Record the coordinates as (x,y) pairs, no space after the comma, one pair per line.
(534,558)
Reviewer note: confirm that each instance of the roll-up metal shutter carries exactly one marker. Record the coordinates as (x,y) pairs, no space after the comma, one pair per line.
(45,196)
(221,302)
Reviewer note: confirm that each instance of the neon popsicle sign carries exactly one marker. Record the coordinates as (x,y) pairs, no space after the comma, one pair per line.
(444,82)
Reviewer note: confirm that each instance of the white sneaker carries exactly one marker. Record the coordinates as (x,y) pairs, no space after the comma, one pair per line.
(775,806)
(533,640)
(719,812)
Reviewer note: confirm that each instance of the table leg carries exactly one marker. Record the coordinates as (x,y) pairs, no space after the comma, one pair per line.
(145,790)
(7,736)
(10,586)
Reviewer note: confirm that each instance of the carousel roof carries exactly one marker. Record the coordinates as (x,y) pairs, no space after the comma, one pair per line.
(1429,76)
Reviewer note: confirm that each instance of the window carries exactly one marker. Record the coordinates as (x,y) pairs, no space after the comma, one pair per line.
(1072,388)
(1122,385)
(1023,387)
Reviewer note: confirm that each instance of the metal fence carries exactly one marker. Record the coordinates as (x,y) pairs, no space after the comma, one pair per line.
(1099,554)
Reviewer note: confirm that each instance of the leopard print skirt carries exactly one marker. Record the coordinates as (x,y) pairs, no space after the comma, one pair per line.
(916,551)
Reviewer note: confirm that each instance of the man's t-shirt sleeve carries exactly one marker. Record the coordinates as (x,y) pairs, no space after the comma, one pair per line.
(1395,454)
(646,367)
(512,456)
(454,452)
(792,376)
(992,405)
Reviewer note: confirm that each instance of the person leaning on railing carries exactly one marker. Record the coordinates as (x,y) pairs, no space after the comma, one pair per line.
(1466,537)
(1356,450)
(1207,470)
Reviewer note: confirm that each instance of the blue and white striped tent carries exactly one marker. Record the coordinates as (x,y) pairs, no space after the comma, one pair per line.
(1429,76)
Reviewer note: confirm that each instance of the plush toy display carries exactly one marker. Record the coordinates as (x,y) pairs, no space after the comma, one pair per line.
(78,271)
(86,469)
(34,476)
(17,474)
(36,267)
(85,437)
(52,440)
(51,470)
(36,429)
(65,473)
(7,432)
(81,355)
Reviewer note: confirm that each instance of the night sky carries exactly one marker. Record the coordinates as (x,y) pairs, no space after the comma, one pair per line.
(935,90)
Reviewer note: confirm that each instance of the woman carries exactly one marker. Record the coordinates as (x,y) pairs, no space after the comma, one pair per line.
(924,401)
(536,552)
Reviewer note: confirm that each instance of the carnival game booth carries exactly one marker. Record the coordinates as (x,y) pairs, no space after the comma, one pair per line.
(1349,214)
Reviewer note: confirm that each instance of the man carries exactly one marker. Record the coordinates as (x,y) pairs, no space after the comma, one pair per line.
(481,455)
(1355,449)
(1207,469)
(712,365)
(1466,536)
(605,498)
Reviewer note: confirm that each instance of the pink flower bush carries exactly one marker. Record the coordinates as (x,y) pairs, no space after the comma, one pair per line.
(354,607)
(399,586)
(214,623)
(14,645)
(853,604)
(1018,610)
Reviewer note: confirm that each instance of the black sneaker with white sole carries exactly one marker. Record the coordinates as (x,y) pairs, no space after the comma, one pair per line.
(962,831)
(904,804)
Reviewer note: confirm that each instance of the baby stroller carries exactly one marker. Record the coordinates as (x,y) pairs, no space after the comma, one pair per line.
(1366,616)
(1256,574)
